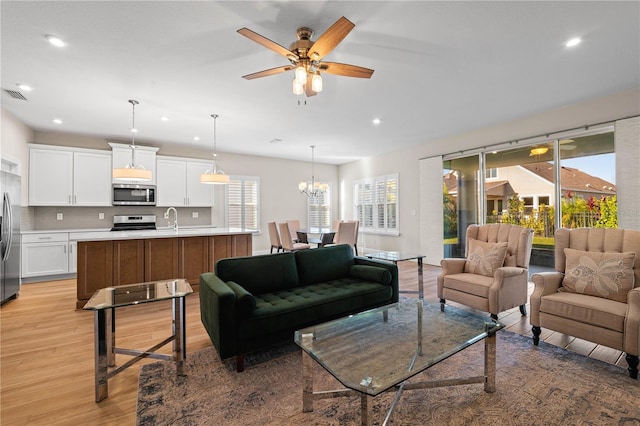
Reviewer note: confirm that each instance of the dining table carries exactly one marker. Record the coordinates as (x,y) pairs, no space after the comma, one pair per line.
(316,235)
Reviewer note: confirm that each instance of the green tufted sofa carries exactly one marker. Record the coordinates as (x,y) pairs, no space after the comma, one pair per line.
(252,302)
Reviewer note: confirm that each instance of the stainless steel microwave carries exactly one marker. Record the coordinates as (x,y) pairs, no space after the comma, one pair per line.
(134,195)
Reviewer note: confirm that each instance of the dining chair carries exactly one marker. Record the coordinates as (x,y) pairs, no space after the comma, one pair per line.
(355,234)
(287,241)
(274,236)
(294,227)
(346,234)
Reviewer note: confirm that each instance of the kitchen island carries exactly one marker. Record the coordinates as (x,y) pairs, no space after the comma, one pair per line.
(109,259)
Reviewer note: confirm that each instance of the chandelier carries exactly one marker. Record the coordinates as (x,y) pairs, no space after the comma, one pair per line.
(215,176)
(132,171)
(313,189)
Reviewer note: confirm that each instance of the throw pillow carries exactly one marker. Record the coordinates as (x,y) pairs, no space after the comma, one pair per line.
(371,273)
(607,275)
(484,258)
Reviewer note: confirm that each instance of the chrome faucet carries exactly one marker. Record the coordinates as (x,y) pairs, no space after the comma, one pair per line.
(175,216)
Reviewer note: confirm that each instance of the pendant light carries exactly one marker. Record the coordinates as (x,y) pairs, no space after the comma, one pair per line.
(314,188)
(215,176)
(133,171)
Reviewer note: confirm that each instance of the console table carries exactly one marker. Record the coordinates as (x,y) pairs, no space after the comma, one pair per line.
(398,256)
(104,303)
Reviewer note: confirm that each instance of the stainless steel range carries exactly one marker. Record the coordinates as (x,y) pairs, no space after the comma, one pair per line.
(133,222)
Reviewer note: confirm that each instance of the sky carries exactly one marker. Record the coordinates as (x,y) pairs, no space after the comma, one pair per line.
(602,166)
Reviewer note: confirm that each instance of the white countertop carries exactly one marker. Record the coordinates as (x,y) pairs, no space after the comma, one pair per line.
(106,234)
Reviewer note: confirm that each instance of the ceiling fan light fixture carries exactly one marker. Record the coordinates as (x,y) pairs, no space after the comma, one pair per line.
(316,83)
(298,89)
(132,171)
(539,151)
(301,74)
(215,176)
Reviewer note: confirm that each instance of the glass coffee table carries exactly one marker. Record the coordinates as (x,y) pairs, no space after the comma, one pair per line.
(399,256)
(104,303)
(379,350)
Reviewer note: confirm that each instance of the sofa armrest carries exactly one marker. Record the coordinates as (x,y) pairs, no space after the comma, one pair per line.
(218,313)
(245,302)
(631,344)
(391,267)
(545,283)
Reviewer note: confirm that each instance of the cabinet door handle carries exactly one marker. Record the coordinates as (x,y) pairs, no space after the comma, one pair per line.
(75,199)
(44,238)
(70,249)
(69,199)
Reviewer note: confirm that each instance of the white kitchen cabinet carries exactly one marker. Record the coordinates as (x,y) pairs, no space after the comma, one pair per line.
(178,183)
(63,176)
(145,156)
(45,254)
(73,257)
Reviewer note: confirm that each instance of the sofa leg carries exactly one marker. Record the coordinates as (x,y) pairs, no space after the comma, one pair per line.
(536,334)
(442,302)
(523,310)
(240,363)
(633,360)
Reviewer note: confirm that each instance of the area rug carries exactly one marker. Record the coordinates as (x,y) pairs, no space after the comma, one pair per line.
(543,385)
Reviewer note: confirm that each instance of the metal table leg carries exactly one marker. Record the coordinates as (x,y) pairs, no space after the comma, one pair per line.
(103,345)
(179,333)
(420,283)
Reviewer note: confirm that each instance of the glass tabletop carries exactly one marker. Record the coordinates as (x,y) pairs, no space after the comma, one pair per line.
(132,294)
(393,256)
(370,355)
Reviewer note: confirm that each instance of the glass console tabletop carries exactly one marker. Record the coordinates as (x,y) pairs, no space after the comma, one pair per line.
(132,294)
(369,354)
(393,256)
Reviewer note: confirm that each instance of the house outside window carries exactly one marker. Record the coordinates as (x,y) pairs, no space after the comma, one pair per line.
(243,202)
(376,204)
(319,209)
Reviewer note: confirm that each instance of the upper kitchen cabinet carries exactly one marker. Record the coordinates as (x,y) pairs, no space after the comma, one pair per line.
(63,176)
(145,156)
(178,182)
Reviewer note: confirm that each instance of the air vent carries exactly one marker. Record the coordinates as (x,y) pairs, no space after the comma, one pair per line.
(15,94)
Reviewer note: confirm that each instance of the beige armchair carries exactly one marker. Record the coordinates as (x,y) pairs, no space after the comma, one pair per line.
(495,274)
(594,292)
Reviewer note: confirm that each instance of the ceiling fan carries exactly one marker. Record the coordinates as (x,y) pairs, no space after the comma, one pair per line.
(306,56)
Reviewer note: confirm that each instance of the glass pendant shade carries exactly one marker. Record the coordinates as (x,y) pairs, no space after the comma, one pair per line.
(132,171)
(316,83)
(215,176)
(301,75)
(298,89)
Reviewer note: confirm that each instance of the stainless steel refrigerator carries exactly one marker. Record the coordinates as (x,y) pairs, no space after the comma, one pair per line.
(9,236)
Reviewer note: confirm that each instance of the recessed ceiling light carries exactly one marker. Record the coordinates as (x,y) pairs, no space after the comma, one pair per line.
(57,121)
(24,87)
(376,121)
(573,42)
(56,41)
(164,118)
(196,138)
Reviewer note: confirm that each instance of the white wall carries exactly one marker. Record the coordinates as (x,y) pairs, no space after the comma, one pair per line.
(14,137)
(406,162)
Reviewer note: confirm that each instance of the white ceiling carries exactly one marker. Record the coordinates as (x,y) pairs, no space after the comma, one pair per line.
(441,68)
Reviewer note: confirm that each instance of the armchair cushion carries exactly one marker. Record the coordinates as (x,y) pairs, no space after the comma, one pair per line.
(484,258)
(601,274)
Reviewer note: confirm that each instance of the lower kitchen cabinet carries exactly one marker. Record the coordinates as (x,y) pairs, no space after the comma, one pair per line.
(128,262)
(193,259)
(44,254)
(95,268)
(160,259)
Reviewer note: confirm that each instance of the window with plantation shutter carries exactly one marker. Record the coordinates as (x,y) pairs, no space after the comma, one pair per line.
(376,204)
(319,210)
(243,202)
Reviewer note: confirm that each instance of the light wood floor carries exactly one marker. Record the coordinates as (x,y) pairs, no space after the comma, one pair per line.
(47,353)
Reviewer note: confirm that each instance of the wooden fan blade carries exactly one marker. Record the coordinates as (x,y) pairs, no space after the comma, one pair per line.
(330,39)
(254,36)
(307,87)
(345,70)
(268,72)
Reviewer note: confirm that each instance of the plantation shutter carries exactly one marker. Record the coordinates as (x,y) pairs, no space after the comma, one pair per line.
(243,202)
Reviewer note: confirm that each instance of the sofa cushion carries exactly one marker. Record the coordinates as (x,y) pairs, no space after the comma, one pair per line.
(324,264)
(475,284)
(601,274)
(371,273)
(303,306)
(597,311)
(484,258)
(260,274)
(245,302)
